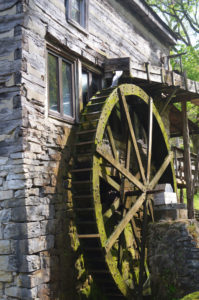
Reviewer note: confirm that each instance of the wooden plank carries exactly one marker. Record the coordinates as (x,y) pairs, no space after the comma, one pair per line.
(120,168)
(119,229)
(88,236)
(132,134)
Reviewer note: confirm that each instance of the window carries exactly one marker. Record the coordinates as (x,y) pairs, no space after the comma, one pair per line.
(77,12)
(91,83)
(61,86)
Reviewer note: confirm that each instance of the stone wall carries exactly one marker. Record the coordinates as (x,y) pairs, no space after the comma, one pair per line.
(12,119)
(174,258)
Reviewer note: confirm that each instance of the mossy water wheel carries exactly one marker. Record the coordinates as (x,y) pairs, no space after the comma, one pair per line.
(121,155)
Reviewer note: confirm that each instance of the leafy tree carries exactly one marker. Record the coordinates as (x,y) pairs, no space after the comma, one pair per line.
(182,16)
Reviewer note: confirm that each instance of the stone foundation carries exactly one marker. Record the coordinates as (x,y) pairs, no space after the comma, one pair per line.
(174,258)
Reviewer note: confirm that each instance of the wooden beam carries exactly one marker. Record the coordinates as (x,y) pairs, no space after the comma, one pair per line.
(187,162)
(168,100)
(117,64)
(149,148)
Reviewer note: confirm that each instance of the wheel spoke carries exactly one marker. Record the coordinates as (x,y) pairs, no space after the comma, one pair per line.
(112,209)
(160,172)
(150,207)
(135,234)
(102,151)
(119,229)
(109,180)
(149,148)
(143,245)
(112,142)
(132,133)
(128,154)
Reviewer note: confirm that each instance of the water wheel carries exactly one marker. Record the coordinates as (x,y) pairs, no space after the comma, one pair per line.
(121,155)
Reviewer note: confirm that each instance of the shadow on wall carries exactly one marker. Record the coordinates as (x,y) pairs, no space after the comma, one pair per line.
(46,260)
(69,278)
(63,256)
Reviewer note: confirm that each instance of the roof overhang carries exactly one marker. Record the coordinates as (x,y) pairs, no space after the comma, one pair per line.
(152,20)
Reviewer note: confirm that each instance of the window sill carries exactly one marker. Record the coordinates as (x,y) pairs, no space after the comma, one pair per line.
(78,26)
(57,116)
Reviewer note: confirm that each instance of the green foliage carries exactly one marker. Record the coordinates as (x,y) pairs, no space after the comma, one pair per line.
(190,61)
(182,16)
(196,198)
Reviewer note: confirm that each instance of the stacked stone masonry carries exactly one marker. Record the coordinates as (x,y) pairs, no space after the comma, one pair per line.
(174,258)
(35,149)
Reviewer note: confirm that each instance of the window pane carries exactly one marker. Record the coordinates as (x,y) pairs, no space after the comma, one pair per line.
(67,88)
(75,10)
(53,82)
(85,87)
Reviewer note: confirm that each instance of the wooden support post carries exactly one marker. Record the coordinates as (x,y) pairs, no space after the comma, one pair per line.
(195,180)
(163,74)
(181,195)
(187,161)
(148,67)
(168,100)
(80,100)
(185,80)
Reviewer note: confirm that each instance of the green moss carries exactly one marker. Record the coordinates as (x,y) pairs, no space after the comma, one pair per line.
(169,282)
(192,230)
(193,296)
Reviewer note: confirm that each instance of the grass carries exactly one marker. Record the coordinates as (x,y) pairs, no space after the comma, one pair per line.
(196,198)
(196,201)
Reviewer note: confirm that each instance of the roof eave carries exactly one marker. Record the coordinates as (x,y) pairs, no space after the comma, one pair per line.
(153,21)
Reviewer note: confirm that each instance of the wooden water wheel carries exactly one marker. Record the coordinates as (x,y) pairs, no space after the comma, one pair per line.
(121,155)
